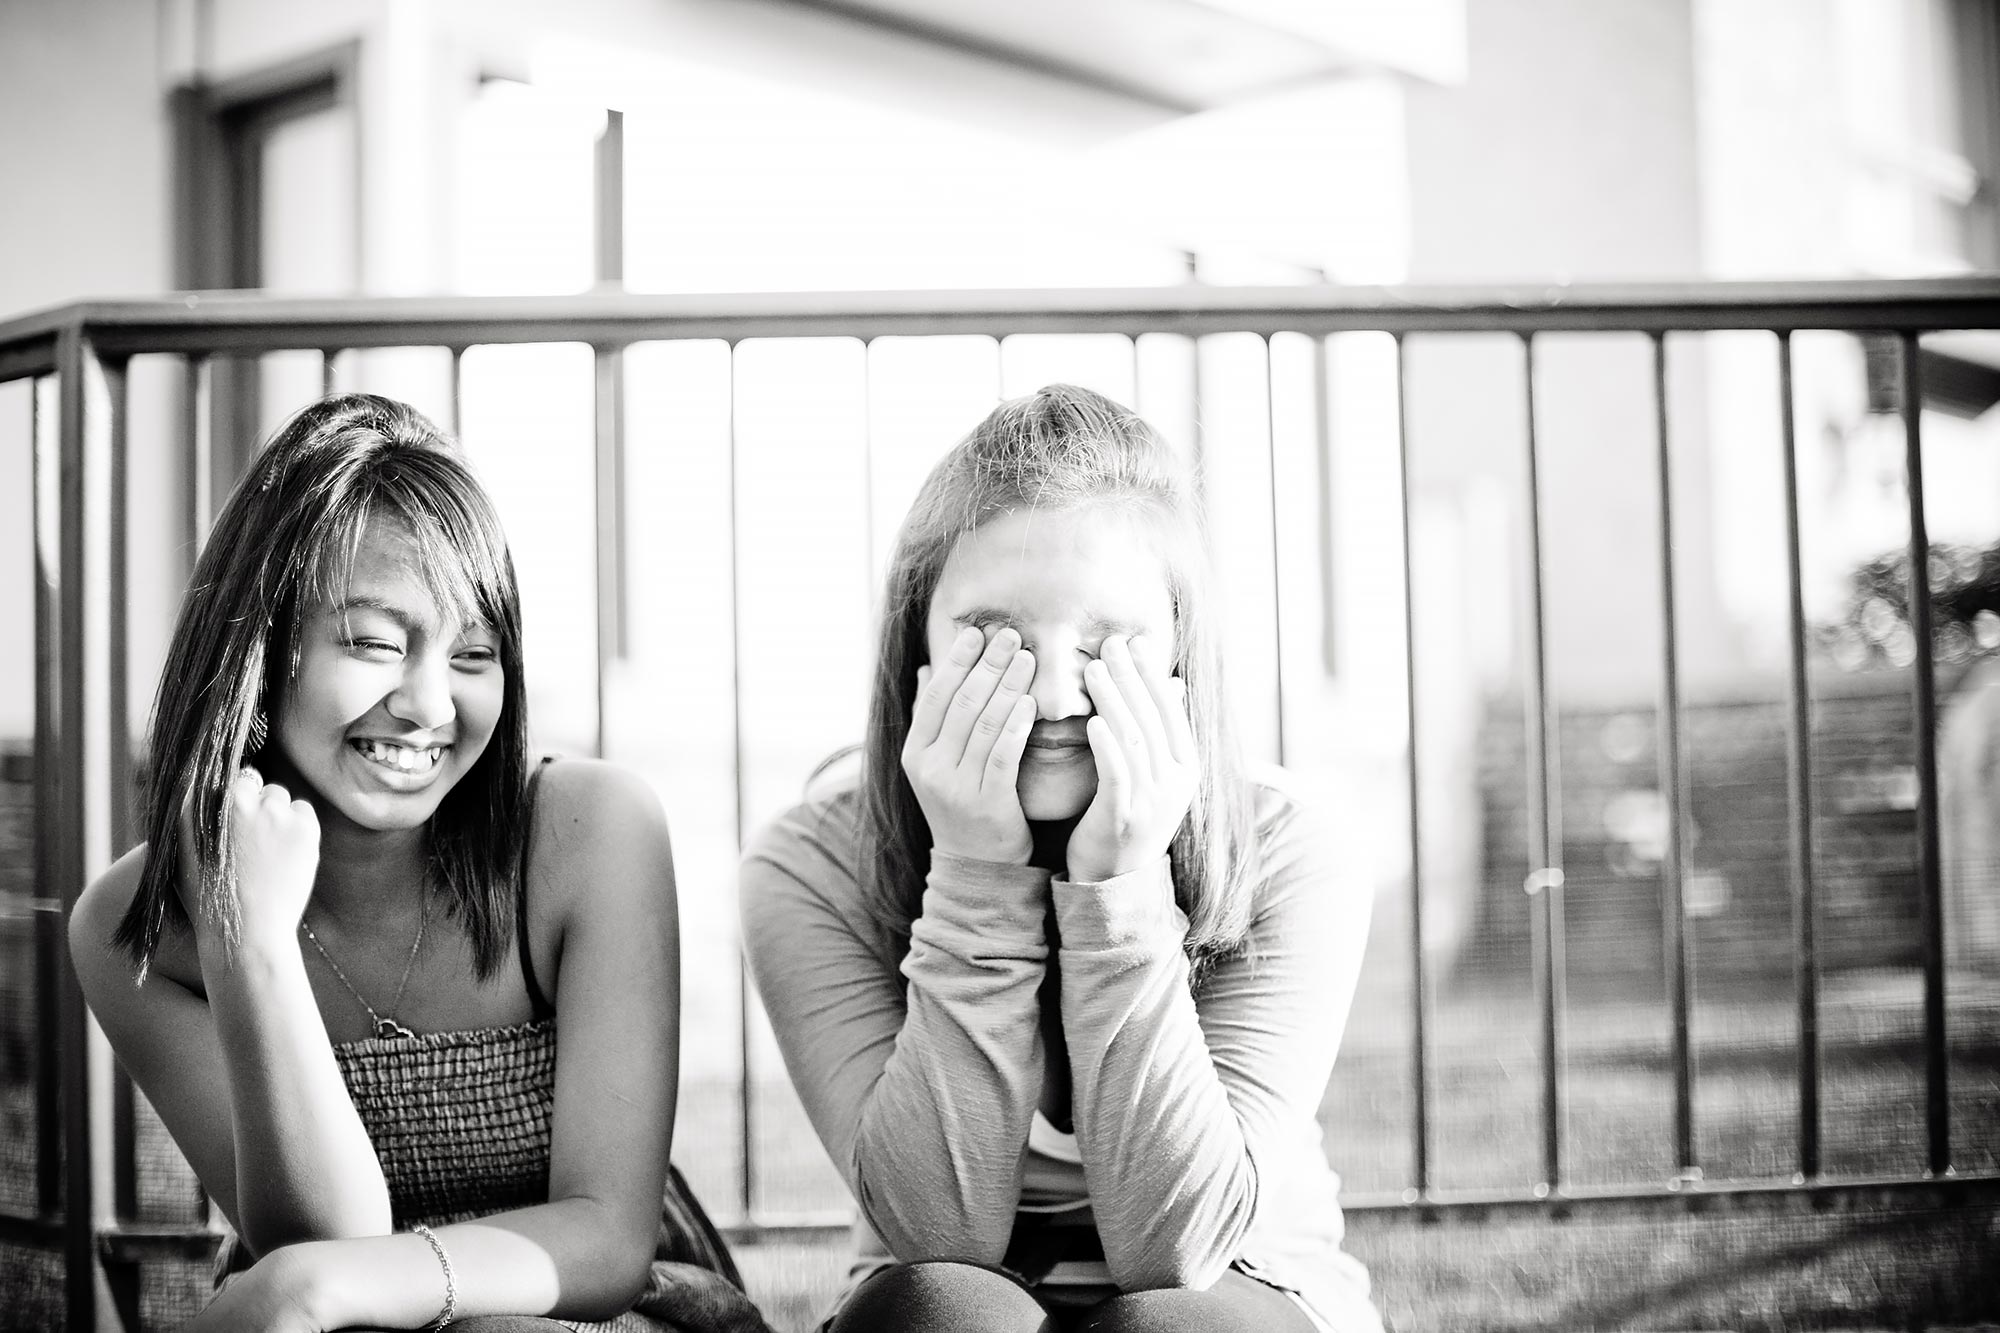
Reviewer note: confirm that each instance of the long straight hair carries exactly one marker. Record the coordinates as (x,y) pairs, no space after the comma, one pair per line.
(284,543)
(1064,448)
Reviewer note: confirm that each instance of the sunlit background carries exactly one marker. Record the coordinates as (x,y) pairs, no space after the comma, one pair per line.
(398,147)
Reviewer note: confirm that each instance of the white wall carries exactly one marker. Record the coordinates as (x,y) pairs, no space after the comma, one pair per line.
(83,201)
(1569,154)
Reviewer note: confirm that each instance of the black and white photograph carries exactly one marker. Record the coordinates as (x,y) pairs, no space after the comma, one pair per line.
(1000,666)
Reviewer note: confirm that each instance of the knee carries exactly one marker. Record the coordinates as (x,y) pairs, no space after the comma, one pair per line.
(943,1295)
(1168,1310)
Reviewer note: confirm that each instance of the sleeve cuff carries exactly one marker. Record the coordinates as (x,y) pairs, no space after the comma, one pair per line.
(1136,907)
(989,898)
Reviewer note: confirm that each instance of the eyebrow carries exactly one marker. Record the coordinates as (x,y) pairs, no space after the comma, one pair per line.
(1096,625)
(409,623)
(363,602)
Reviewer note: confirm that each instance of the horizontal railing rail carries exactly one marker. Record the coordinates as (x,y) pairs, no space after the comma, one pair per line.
(77,355)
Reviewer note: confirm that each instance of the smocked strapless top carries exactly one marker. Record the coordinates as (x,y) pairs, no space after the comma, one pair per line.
(459,1120)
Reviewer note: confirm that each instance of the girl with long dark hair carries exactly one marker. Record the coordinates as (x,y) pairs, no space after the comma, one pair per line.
(361,915)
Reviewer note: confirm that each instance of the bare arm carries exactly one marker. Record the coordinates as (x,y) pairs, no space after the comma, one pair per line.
(606,886)
(240,1070)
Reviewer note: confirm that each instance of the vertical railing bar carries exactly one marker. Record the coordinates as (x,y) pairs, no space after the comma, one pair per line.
(82,775)
(1923,676)
(48,924)
(117,579)
(49,1067)
(1197,428)
(868,462)
(329,378)
(1673,779)
(1138,396)
(608,264)
(124,1147)
(124,1160)
(458,393)
(197,440)
(197,436)
(1798,783)
(1277,546)
(608,483)
(1324,468)
(198,430)
(1544,875)
(746,1099)
(1420,1133)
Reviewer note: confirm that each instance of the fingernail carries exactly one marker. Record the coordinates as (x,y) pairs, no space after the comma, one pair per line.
(970,635)
(1007,638)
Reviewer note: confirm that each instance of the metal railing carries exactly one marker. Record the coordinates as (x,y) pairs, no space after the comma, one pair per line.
(78,355)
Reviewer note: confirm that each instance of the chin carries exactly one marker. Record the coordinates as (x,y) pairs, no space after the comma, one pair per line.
(389,816)
(1053,796)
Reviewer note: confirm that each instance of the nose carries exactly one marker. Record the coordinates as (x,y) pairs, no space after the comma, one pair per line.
(1058,684)
(423,697)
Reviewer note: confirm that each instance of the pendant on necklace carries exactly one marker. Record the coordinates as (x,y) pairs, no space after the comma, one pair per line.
(389,1027)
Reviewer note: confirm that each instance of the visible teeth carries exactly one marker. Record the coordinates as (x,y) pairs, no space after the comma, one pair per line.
(402,758)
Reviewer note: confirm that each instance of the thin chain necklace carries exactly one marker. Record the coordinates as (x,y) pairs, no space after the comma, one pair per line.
(385,1024)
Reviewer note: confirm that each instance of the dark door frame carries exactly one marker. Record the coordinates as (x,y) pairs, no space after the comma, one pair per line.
(220,130)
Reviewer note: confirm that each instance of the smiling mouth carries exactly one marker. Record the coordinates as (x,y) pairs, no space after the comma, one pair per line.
(400,758)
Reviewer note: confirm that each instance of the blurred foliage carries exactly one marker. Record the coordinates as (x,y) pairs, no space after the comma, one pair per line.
(1874,633)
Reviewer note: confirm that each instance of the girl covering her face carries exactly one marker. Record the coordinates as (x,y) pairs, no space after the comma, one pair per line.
(1059,984)
(345,844)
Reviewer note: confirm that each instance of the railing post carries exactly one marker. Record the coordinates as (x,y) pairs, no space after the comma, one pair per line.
(1923,675)
(608,399)
(51,969)
(457,393)
(1277,548)
(1545,877)
(1798,784)
(87,650)
(1673,771)
(198,443)
(746,1094)
(1420,1120)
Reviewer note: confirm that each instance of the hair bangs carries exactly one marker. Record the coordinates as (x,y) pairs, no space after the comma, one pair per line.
(449,539)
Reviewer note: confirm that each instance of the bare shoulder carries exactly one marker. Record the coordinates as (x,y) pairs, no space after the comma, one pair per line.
(591,799)
(599,829)
(98,912)
(102,968)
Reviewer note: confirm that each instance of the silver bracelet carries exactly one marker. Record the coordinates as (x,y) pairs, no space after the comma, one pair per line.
(450,1279)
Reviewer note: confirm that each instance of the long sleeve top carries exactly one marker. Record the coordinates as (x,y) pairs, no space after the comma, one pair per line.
(920,1060)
